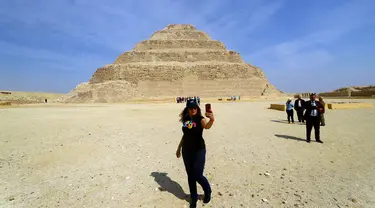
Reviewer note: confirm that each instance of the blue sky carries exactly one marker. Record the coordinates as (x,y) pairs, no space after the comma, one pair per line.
(317,45)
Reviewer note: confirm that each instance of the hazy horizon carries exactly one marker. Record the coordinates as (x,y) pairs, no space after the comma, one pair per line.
(50,46)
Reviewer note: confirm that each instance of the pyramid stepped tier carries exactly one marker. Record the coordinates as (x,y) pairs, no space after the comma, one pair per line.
(180,44)
(180,56)
(188,86)
(178,60)
(134,73)
(180,35)
(117,91)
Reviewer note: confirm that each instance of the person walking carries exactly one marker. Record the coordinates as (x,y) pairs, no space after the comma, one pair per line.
(298,106)
(312,116)
(322,119)
(194,149)
(289,110)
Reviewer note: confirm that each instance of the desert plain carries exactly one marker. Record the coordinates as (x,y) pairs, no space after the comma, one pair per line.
(123,155)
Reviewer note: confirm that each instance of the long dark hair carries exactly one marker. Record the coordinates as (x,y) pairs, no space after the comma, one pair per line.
(184,113)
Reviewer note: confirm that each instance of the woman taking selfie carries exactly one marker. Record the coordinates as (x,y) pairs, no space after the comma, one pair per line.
(194,149)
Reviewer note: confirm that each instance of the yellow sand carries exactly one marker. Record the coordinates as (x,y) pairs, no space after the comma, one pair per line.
(109,156)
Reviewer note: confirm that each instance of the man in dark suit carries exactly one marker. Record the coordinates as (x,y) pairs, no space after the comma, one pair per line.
(312,116)
(298,106)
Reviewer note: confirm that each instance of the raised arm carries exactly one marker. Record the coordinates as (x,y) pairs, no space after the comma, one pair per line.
(205,124)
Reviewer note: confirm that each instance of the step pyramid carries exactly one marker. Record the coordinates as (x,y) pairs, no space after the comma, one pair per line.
(178,60)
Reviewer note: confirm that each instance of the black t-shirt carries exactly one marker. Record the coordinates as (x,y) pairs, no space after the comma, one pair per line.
(193,130)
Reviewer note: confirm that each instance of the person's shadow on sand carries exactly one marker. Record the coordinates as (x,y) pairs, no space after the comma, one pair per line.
(289,137)
(286,122)
(167,184)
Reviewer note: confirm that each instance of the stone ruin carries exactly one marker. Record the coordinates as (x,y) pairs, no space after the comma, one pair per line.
(176,61)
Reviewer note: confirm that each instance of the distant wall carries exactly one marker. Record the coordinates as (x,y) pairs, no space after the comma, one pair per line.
(349,94)
(3,103)
(349,105)
(363,94)
(334,94)
(279,107)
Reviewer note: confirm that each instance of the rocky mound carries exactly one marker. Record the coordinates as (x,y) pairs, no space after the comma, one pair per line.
(353,91)
(176,61)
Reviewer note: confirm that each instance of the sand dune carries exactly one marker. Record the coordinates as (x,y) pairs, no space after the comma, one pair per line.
(123,155)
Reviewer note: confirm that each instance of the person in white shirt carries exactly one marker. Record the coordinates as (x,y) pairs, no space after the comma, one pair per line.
(298,106)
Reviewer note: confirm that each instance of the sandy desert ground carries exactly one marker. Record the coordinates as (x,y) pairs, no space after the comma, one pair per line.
(124,156)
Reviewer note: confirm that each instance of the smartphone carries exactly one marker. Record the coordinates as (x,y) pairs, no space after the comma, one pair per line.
(208,108)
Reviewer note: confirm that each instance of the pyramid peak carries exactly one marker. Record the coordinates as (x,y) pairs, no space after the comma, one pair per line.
(180,27)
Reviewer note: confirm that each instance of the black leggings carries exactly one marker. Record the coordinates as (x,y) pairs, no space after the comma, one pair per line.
(194,164)
(300,115)
(290,114)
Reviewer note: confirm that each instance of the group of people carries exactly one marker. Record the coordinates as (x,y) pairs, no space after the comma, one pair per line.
(311,111)
(186,99)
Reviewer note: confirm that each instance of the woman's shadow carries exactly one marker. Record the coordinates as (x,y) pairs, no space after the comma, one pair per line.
(167,184)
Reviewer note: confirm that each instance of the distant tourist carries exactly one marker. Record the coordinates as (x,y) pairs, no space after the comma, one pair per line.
(312,116)
(289,110)
(322,119)
(298,106)
(199,100)
(194,149)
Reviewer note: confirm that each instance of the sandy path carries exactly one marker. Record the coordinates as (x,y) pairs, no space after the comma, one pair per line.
(118,156)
